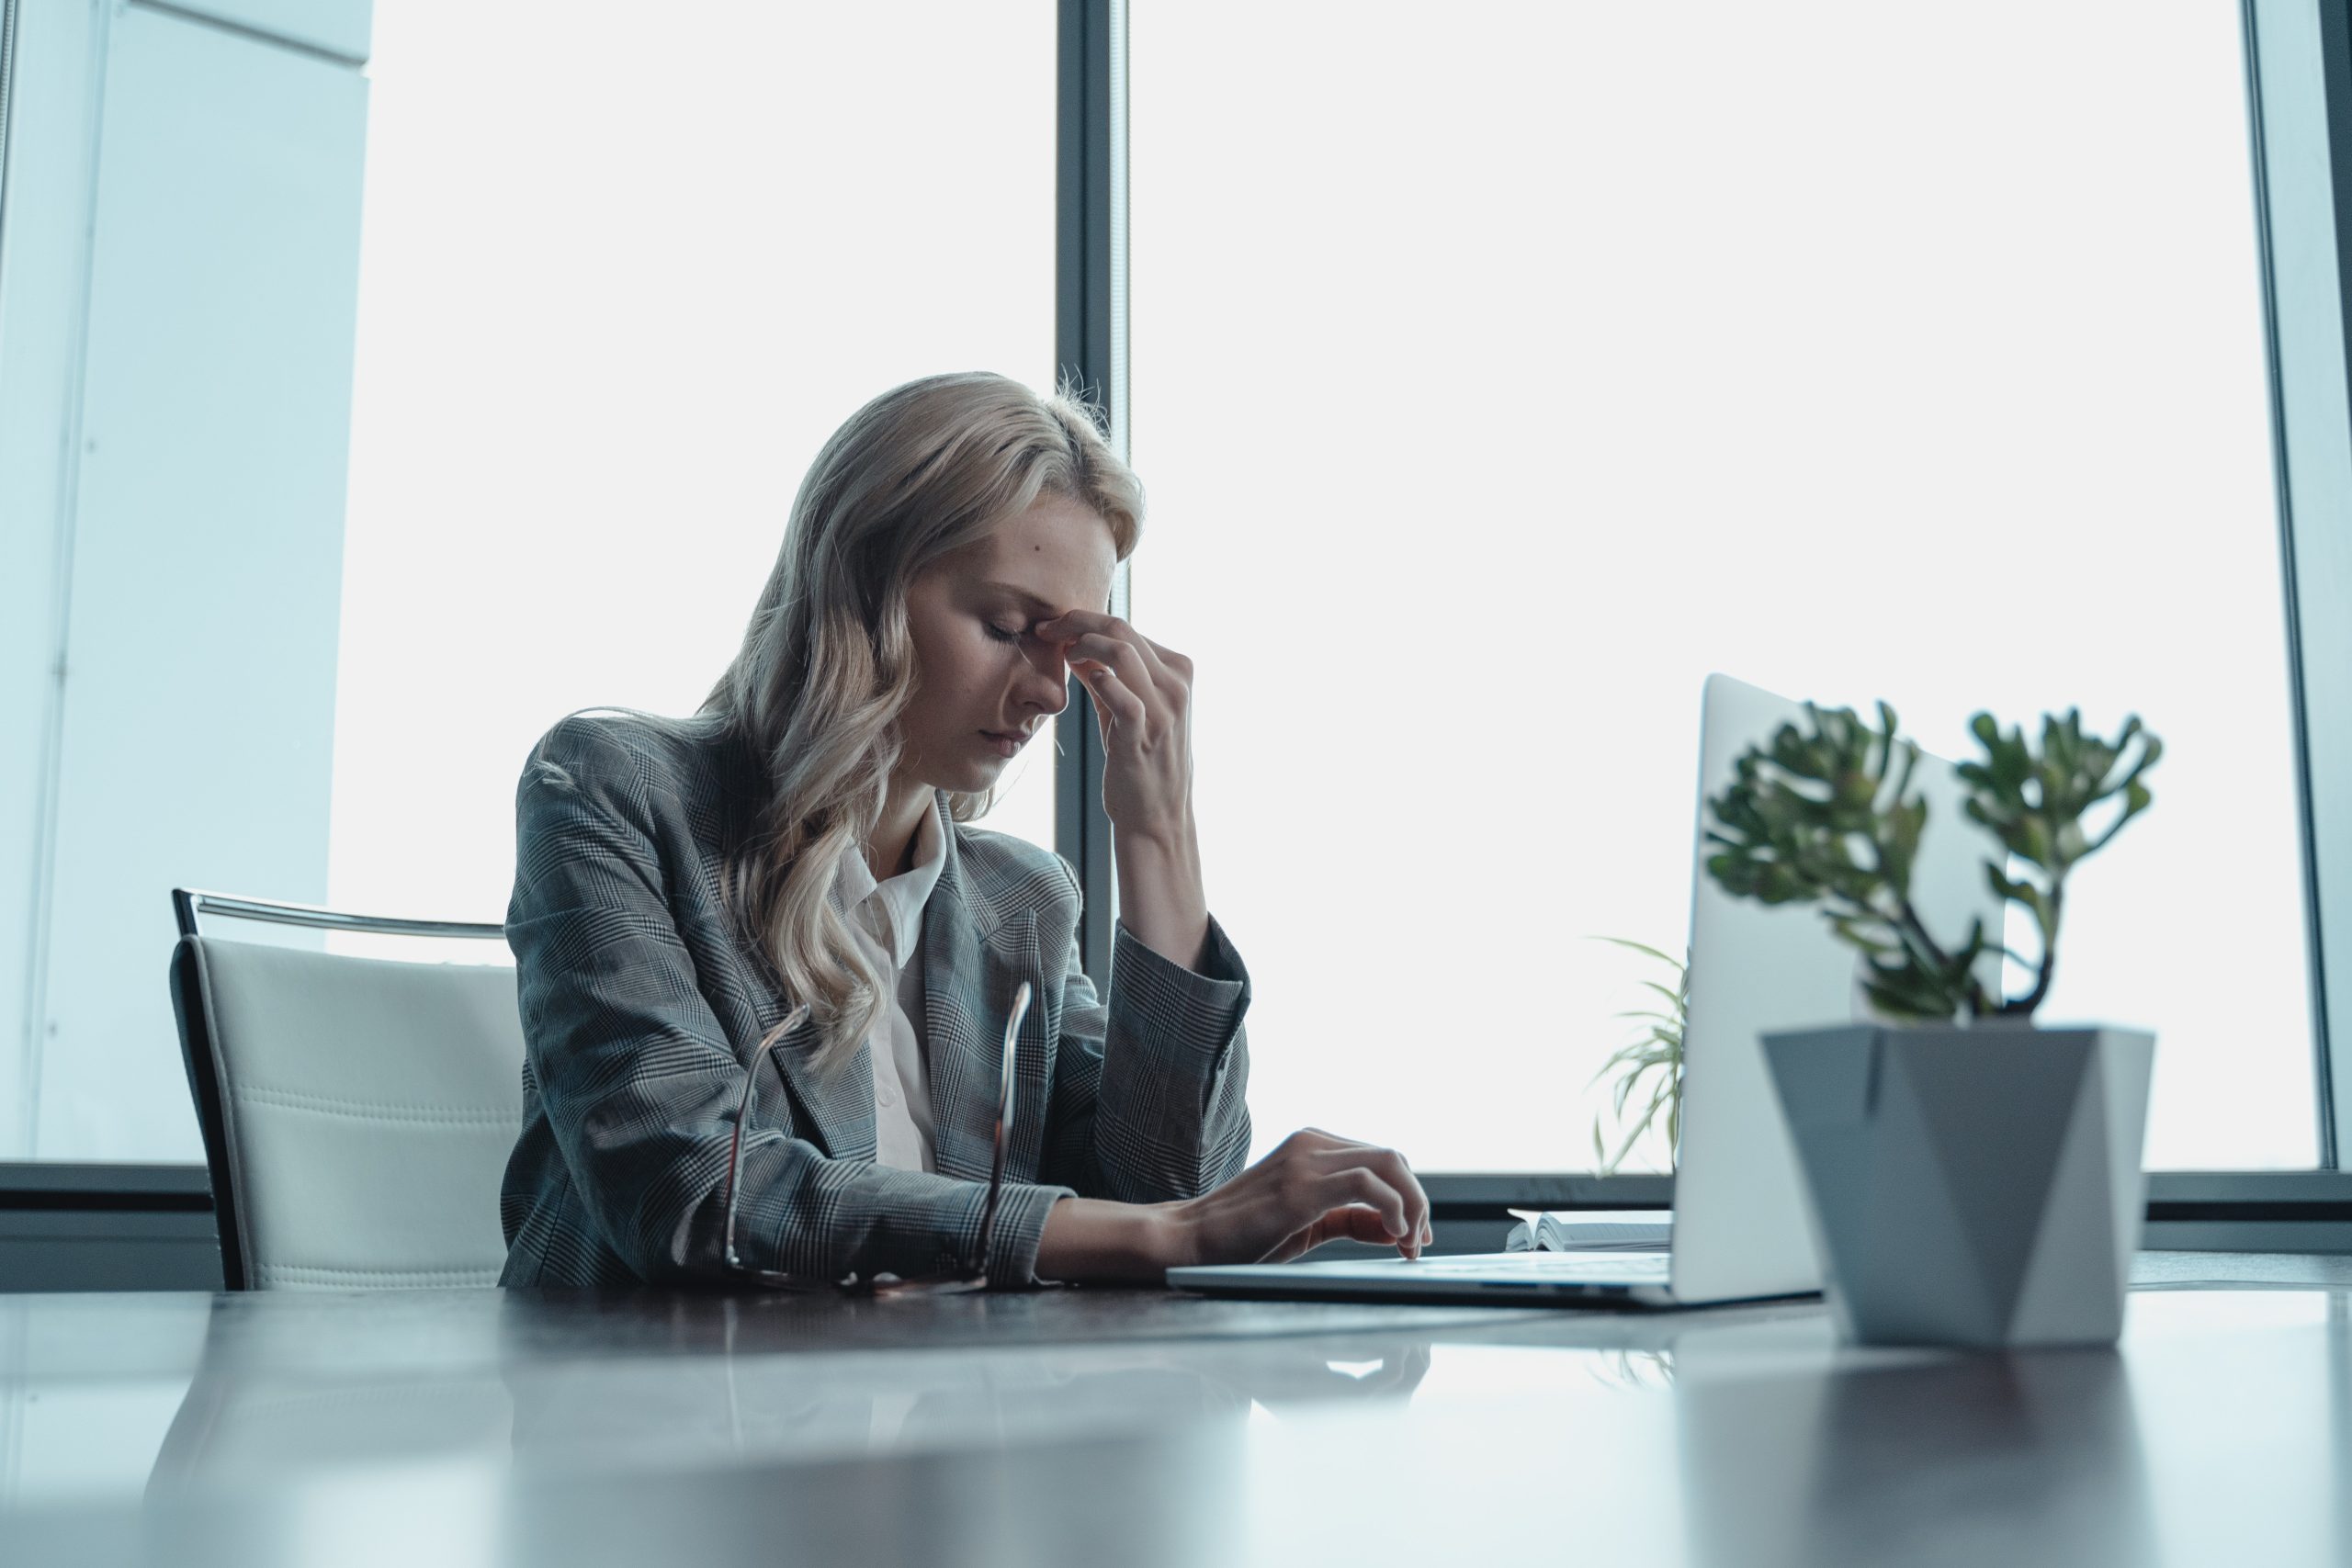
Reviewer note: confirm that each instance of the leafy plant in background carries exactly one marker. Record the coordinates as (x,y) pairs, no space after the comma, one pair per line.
(1660,1050)
(1824,815)
(1637,1371)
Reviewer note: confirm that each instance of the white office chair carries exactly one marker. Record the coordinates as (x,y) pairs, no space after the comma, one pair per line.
(358,1112)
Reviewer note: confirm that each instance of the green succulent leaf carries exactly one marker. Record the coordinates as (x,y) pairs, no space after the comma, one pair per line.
(1810,818)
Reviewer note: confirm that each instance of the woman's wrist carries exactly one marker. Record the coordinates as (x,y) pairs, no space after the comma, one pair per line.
(1094,1238)
(1161,898)
(1176,839)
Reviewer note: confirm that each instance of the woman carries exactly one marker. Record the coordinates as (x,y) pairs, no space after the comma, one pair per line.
(681,885)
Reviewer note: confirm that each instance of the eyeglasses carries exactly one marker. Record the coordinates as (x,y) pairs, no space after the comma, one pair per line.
(976,1278)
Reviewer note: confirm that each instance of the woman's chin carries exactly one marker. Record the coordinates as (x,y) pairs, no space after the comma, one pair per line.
(977,776)
(970,774)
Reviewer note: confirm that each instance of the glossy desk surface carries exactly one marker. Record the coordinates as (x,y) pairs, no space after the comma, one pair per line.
(1081,1426)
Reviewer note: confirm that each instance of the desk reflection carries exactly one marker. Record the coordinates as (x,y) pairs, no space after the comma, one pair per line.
(1156,1430)
(687,1382)
(1791,1456)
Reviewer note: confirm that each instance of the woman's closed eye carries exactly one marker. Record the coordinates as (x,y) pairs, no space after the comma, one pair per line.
(1004,633)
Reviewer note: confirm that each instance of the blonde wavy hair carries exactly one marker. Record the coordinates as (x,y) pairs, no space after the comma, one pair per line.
(827,665)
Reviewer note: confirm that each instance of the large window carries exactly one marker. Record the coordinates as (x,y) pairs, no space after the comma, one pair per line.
(617,284)
(1499,372)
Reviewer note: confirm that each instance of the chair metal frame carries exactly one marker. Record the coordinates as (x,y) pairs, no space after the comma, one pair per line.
(199,1049)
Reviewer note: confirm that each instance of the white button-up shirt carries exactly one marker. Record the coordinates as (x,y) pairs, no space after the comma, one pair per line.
(886,920)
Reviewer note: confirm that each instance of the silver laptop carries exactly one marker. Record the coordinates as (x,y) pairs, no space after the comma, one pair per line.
(1739,1232)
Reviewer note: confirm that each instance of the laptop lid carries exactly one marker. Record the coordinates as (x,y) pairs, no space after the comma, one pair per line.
(1739,1221)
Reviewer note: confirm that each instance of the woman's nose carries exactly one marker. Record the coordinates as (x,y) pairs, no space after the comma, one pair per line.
(1045,679)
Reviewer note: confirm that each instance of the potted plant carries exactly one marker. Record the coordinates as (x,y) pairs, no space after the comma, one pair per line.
(1660,1050)
(1972,1179)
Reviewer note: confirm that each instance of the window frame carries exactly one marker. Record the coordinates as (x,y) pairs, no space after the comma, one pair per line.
(1090,355)
(2303,223)
(2303,211)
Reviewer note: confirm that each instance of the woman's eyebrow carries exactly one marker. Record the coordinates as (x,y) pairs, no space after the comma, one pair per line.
(1044,609)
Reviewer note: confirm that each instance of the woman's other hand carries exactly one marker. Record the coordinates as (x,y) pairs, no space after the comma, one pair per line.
(1143,704)
(1142,697)
(1312,1189)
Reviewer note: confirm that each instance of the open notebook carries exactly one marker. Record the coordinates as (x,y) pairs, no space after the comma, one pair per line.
(1591,1230)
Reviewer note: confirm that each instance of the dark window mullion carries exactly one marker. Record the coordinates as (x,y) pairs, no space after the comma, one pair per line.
(1089,350)
(2303,212)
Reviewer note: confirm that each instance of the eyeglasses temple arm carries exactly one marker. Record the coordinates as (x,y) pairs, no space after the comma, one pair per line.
(1003,1125)
(792,1021)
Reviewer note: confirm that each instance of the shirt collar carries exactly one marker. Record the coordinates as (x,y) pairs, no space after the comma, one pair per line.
(903,896)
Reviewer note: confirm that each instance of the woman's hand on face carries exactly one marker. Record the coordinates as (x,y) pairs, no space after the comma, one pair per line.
(1142,697)
(1312,1189)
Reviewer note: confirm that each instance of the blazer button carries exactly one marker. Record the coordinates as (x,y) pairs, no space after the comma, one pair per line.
(887,1095)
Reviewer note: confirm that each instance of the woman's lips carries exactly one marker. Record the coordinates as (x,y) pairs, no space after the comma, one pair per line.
(1005,745)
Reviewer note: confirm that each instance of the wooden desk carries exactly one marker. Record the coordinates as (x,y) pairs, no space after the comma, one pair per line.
(450,1428)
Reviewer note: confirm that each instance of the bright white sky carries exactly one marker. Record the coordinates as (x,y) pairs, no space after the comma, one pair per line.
(1497,372)
(617,286)
(1501,370)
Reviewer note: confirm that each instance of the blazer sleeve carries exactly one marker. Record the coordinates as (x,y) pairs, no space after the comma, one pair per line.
(1150,1087)
(639,1081)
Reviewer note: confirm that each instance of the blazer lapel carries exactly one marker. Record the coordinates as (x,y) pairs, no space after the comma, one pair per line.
(967,993)
(840,1103)
(954,971)
(975,955)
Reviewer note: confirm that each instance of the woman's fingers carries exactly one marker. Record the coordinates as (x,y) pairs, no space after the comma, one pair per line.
(1301,1240)
(1116,705)
(1389,1167)
(1307,1138)
(1354,1222)
(1073,624)
(1122,659)
(1084,634)
(1172,662)
(1313,1148)
(1360,1184)
(1348,1223)
(1142,699)
(1313,1188)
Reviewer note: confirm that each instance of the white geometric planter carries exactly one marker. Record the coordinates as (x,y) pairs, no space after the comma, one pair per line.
(1972,1187)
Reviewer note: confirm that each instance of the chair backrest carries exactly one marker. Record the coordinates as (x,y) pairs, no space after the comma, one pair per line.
(358,1112)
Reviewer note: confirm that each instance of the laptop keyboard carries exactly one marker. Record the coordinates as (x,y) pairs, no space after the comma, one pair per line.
(1636,1267)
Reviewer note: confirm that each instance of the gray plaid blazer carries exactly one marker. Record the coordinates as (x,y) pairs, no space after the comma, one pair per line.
(641,1005)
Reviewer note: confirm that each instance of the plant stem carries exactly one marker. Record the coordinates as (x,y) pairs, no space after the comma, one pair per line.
(1907,920)
(2025,1005)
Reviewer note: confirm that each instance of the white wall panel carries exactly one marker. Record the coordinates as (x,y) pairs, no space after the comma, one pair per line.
(44,258)
(208,546)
